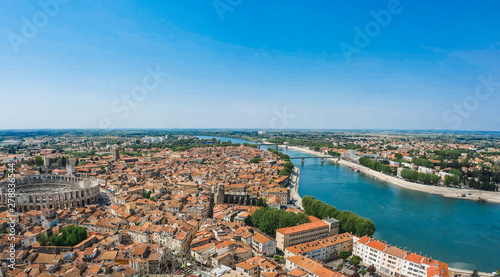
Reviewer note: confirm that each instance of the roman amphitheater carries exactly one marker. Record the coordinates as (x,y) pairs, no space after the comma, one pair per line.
(52,192)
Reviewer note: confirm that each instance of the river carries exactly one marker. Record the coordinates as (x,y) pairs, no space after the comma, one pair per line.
(462,233)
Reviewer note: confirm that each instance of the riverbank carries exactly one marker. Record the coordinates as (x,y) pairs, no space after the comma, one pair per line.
(489,196)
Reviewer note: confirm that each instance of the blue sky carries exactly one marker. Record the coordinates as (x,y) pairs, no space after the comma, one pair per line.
(250,64)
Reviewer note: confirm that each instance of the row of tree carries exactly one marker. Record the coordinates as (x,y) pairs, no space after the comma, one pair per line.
(268,219)
(255,160)
(425,178)
(349,221)
(282,156)
(287,170)
(375,165)
(422,162)
(451,180)
(333,153)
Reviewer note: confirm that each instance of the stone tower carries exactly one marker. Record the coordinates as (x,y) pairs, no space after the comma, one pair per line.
(219,195)
(70,166)
(115,151)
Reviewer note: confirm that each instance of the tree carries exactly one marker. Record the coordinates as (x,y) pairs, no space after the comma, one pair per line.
(267,219)
(355,260)
(344,255)
(279,259)
(43,240)
(363,272)
(255,160)
(38,161)
(355,274)
(456,172)
(285,172)
(69,236)
(333,153)
(371,269)
(349,221)
(451,180)
(233,216)
(262,202)
(398,156)
(474,272)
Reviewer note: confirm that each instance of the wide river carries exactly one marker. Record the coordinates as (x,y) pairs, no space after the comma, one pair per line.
(462,233)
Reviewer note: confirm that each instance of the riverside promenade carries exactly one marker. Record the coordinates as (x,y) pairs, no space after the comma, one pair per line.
(466,194)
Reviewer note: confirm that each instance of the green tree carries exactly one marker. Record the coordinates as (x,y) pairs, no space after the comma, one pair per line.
(398,156)
(451,180)
(38,161)
(363,272)
(355,260)
(53,239)
(43,240)
(233,216)
(333,153)
(267,219)
(344,255)
(285,172)
(262,202)
(456,172)
(434,179)
(474,272)
(349,221)
(255,160)
(69,236)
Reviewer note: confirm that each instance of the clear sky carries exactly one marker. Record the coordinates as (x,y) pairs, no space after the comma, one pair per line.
(250,64)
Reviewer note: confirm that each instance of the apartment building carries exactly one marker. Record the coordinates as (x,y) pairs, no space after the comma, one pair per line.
(310,266)
(392,261)
(322,249)
(395,261)
(413,266)
(307,232)
(371,251)
(263,245)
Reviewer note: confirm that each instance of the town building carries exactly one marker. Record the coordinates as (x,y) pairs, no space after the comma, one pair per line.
(307,232)
(322,249)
